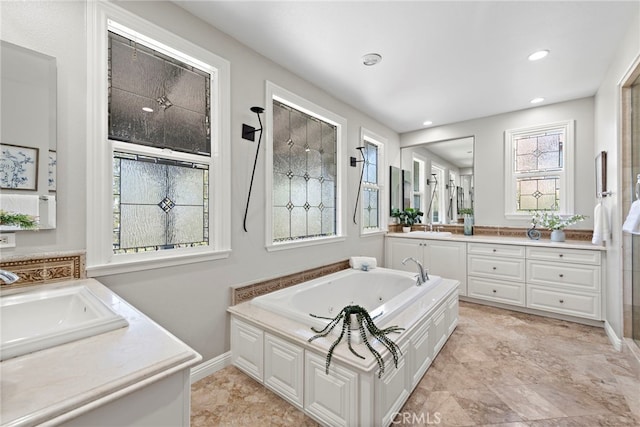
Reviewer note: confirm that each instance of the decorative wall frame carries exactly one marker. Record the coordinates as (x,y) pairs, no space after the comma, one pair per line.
(18,167)
(601,175)
(53,171)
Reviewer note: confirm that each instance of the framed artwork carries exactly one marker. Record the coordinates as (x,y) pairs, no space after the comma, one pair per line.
(53,162)
(18,167)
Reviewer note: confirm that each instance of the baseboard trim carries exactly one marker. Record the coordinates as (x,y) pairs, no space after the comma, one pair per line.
(210,366)
(613,337)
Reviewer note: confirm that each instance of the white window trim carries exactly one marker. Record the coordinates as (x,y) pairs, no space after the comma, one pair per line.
(383,202)
(275,92)
(566,175)
(422,183)
(100,257)
(442,208)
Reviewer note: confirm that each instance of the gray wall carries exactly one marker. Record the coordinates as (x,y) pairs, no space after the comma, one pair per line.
(489,155)
(190,300)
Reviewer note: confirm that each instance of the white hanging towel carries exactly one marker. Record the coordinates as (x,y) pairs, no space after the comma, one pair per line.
(632,223)
(601,231)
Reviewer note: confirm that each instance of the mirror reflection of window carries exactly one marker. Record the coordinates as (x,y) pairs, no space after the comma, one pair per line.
(437,192)
(418,184)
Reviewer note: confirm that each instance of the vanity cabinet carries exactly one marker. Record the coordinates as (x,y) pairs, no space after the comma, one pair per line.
(496,273)
(566,281)
(447,259)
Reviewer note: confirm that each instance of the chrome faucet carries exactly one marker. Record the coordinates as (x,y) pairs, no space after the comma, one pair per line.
(422,276)
(8,277)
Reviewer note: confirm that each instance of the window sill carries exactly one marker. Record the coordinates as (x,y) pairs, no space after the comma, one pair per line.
(303,243)
(131,266)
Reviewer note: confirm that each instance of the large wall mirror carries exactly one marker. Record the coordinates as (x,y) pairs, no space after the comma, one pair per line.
(441,179)
(28,157)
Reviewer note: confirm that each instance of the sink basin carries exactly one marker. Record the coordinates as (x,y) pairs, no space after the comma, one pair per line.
(430,233)
(33,321)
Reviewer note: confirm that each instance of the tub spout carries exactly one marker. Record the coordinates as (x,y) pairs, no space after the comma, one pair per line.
(423,276)
(8,277)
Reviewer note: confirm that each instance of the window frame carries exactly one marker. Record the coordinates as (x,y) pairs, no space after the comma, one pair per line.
(379,141)
(442,206)
(422,181)
(101,260)
(567,190)
(275,92)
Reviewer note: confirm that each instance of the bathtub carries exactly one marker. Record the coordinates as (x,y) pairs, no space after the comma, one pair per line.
(383,292)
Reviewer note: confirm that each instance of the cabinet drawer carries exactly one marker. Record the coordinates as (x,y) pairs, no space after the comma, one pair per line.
(510,269)
(508,293)
(560,301)
(512,251)
(564,255)
(564,275)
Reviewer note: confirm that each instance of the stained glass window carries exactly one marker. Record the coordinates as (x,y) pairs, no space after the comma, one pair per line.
(158,203)
(371,190)
(304,175)
(157,100)
(539,171)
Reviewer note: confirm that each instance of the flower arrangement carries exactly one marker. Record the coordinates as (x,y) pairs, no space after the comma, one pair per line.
(553,221)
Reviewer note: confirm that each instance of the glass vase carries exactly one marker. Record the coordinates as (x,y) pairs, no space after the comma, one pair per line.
(557,236)
(468,225)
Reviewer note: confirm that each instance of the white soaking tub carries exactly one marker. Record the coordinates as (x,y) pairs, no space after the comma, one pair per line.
(383,292)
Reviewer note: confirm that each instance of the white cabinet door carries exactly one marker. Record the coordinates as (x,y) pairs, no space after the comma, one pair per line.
(331,399)
(392,389)
(284,368)
(448,260)
(399,249)
(420,352)
(246,348)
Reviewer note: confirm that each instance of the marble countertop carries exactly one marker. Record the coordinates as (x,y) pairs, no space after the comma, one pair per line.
(62,382)
(504,240)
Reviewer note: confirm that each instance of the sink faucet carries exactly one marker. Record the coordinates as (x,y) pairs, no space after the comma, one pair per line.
(423,276)
(8,277)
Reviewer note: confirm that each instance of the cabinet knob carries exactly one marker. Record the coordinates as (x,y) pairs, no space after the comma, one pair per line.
(495,268)
(561,275)
(561,301)
(494,291)
(560,255)
(494,250)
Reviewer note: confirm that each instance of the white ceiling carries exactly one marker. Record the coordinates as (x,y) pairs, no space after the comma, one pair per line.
(456,151)
(443,61)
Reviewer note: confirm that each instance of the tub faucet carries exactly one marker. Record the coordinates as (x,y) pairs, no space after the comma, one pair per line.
(8,277)
(423,276)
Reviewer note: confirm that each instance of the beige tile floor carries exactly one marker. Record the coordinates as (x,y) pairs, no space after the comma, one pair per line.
(499,368)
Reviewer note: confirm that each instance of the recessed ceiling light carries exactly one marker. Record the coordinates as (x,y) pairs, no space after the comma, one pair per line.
(147,109)
(538,55)
(537,100)
(427,123)
(371,59)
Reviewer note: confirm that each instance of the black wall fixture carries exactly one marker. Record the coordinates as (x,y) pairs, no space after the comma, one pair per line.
(249,132)
(354,161)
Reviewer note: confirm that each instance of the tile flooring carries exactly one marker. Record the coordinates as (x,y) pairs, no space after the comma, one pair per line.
(499,368)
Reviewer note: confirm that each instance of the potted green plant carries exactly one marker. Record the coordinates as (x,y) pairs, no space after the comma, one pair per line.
(17,220)
(407,217)
(555,222)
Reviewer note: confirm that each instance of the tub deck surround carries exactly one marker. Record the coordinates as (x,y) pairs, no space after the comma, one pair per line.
(45,268)
(71,380)
(275,350)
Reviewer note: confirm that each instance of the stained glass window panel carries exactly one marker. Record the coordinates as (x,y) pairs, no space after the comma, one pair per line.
(539,153)
(158,203)
(370,206)
(157,100)
(538,193)
(304,175)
